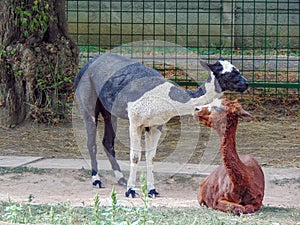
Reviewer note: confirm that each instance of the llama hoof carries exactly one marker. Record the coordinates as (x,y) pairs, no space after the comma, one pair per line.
(249,209)
(96,179)
(122,181)
(153,193)
(98,183)
(131,192)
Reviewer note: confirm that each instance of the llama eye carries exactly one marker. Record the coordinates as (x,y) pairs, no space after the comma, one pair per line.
(228,75)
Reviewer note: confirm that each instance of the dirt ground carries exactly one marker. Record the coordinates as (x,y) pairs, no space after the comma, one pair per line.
(57,186)
(274,141)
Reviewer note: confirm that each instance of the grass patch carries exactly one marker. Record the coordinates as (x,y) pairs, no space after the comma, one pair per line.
(65,213)
(20,170)
(174,49)
(97,214)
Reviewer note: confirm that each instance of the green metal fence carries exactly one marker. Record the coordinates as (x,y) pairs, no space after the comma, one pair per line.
(260,37)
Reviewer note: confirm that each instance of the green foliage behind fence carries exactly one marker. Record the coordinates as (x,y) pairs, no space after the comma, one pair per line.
(261,37)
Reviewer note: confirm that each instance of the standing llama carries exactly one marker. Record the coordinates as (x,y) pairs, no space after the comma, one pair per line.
(238,184)
(119,87)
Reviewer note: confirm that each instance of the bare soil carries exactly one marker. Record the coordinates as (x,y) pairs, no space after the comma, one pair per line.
(57,186)
(274,141)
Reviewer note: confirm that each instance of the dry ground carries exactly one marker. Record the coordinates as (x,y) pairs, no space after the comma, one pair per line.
(56,186)
(274,141)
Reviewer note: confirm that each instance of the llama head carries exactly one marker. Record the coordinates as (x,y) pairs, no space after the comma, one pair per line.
(228,77)
(221,111)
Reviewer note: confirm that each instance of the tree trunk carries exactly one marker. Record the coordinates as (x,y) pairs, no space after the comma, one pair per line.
(38,61)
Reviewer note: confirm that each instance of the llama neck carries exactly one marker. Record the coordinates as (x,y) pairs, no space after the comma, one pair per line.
(204,94)
(234,166)
(188,107)
(211,86)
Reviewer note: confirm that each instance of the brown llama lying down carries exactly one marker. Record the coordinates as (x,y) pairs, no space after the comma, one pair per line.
(238,184)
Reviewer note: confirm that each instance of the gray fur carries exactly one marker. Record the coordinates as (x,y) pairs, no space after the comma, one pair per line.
(179,95)
(83,69)
(127,85)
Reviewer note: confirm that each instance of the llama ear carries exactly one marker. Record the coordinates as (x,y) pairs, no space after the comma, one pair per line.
(246,115)
(205,65)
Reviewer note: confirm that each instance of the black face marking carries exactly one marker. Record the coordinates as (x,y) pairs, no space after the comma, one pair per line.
(216,68)
(179,95)
(232,81)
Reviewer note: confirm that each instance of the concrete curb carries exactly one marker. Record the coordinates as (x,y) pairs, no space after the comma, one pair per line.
(159,167)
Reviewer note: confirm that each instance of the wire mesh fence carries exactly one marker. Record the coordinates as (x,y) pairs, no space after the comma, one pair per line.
(260,37)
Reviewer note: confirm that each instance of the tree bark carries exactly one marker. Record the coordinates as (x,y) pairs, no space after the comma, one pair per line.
(38,61)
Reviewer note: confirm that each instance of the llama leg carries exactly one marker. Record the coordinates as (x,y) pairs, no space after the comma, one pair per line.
(249,209)
(87,100)
(202,193)
(227,206)
(110,126)
(91,128)
(135,156)
(152,136)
